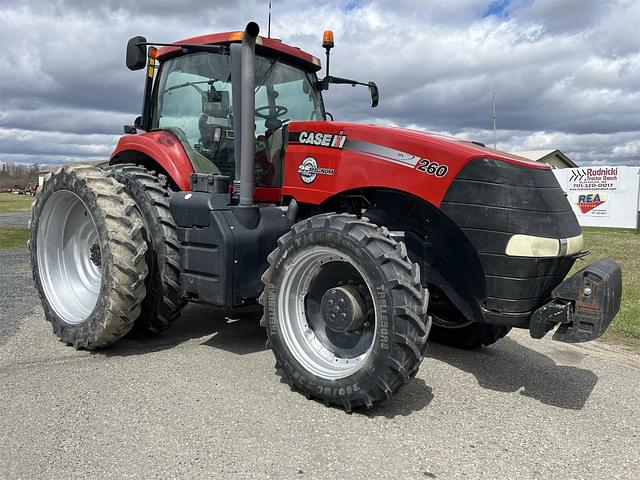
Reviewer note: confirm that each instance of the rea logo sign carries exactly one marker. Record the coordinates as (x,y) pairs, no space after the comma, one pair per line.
(588,202)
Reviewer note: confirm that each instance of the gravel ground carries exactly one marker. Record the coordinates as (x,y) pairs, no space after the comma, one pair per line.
(17,295)
(20,219)
(203,402)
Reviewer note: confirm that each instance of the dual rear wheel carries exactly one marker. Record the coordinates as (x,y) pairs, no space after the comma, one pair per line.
(104,253)
(88,256)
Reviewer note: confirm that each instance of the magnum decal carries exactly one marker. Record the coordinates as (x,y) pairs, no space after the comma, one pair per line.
(309,170)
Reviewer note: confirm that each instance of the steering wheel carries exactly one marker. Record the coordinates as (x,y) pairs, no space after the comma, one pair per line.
(280,111)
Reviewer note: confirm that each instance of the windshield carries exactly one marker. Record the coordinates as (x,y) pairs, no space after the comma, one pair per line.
(194,101)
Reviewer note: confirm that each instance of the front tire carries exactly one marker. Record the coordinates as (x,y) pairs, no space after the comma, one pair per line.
(87,256)
(344,310)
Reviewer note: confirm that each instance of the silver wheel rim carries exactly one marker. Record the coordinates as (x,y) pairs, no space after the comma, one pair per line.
(300,338)
(69,257)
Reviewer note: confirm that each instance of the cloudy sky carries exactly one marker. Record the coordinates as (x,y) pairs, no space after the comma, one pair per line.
(566,72)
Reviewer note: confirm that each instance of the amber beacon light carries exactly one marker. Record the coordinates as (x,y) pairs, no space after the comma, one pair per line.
(327,39)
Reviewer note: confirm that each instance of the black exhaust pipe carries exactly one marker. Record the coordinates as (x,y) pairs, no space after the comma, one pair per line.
(236,72)
(247,113)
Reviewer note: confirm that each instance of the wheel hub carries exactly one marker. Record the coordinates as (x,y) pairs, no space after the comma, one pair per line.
(343,309)
(94,255)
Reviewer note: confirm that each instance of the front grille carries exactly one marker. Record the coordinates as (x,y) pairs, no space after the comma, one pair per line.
(490,201)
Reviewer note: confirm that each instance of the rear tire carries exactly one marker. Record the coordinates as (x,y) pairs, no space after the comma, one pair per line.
(87,255)
(366,362)
(471,336)
(163,303)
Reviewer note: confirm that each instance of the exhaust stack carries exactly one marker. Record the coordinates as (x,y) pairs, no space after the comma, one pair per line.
(247,113)
(236,94)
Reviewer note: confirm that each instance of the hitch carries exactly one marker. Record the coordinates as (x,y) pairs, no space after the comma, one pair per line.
(583,305)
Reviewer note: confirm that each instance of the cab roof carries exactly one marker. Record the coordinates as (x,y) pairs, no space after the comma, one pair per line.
(274,45)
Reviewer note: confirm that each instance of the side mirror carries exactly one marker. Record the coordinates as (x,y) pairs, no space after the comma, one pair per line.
(375,94)
(136,53)
(133,129)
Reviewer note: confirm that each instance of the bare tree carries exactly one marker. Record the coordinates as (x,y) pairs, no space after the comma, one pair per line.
(12,174)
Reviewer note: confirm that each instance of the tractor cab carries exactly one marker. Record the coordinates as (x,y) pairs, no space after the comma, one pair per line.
(189,93)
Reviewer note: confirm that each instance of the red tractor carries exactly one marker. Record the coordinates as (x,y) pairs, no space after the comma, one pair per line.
(233,188)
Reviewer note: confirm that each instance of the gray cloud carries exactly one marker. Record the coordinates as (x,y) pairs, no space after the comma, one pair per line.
(566,74)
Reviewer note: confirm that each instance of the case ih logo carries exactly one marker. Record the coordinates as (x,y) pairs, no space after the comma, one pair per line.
(588,202)
(323,139)
(309,170)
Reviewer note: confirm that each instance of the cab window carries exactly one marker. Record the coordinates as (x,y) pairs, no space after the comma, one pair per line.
(194,101)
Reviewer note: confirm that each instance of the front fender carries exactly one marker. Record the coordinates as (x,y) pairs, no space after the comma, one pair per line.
(163,148)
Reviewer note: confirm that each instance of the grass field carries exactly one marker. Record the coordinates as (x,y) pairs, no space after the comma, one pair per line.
(10,202)
(13,237)
(623,246)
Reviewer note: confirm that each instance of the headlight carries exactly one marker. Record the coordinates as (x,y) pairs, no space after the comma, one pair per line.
(531,246)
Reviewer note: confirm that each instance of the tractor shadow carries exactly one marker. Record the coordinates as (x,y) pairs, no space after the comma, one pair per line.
(510,367)
(507,366)
(212,327)
(411,398)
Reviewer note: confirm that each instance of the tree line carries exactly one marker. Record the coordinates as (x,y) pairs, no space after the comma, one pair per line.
(12,174)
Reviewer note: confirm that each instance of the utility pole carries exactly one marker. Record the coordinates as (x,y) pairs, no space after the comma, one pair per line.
(493,109)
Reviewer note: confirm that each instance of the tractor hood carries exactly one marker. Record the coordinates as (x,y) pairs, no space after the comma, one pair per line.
(351,155)
(402,143)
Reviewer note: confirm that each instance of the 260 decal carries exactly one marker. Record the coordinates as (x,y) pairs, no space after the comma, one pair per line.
(431,168)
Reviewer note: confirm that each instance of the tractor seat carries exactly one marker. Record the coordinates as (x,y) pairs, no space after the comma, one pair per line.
(274,153)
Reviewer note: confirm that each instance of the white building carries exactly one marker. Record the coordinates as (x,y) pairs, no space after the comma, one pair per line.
(555,158)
